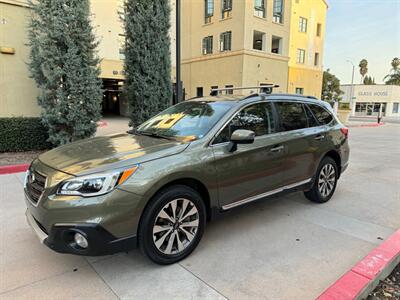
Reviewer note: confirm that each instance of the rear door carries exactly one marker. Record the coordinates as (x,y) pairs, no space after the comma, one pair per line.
(298,141)
(322,138)
(253,169)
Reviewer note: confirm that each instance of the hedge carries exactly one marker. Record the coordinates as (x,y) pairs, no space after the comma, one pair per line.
(22,134)
(344,105)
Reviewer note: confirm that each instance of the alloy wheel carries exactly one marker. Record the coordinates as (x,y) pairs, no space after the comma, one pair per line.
(175,226)
(326,180)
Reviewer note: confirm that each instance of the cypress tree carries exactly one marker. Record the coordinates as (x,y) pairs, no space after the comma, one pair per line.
(64,64)
(147,58)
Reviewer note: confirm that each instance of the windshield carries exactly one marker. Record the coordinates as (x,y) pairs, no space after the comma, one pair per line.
(187,121)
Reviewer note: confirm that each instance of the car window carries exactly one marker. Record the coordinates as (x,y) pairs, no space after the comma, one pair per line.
(312,121)
(292,115)
(257,117)
(322,115)
(191,119)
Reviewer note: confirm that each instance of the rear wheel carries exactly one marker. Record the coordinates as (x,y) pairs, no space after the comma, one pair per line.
(325,181)
(172,224)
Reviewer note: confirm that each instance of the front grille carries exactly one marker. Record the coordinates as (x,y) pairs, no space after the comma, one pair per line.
(35,185)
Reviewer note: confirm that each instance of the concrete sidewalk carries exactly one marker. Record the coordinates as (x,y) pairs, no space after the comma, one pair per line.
(281,248)
(113,124)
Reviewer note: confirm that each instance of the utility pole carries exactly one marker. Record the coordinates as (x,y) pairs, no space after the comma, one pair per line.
(178,52)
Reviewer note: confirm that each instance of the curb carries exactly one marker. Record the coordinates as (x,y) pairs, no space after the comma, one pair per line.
(13,169)
(366,125)
(366,274)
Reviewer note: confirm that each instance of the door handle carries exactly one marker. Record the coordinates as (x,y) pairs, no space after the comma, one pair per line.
(276,149)
(319,137)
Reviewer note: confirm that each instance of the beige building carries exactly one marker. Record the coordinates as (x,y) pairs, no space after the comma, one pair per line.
(18,91)
(306,46)
(229,43)
(224,43)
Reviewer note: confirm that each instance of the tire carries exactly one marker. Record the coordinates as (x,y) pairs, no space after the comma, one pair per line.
(165,239)
(324,182)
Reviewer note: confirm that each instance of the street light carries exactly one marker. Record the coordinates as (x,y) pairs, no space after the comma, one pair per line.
(352,85)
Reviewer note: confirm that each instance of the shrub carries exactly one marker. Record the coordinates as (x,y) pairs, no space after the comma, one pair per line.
(147,58)
(345,106)
(22,134)
(64,64)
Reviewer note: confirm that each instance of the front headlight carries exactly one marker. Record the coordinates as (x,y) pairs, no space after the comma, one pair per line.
(95,184)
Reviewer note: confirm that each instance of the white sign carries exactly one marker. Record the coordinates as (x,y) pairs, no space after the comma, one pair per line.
(375,94)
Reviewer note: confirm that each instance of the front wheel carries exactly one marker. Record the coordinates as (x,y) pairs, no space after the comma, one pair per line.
(172,224)
(325,181)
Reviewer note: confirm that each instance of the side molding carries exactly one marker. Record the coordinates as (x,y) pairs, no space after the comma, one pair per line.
(269,193)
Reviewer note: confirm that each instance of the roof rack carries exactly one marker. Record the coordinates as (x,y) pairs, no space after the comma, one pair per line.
(265,88)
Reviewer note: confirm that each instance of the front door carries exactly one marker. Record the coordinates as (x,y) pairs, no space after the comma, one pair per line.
(253,169)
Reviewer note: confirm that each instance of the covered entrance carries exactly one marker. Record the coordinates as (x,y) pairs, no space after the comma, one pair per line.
(113,100)
(370,108)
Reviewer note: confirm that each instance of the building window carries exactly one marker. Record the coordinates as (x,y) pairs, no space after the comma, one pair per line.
(299,91)
(318,29)
(395,109)
(259,40)
(229,92)
(199,91)
(316,59)
(300,58)
(302,24)
(278,11)
(276,45)
(208,45)
(259,8)
(121,46)
(208,10)
(225,41)
(226,8)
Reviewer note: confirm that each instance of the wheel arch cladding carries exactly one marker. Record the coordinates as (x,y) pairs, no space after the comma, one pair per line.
(336,157)
(195,184)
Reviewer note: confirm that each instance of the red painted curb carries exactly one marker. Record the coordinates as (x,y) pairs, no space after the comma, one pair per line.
(366,125)
(364,274)
(13,169)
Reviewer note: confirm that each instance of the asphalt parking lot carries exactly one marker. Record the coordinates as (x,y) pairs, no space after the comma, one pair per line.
(280,248)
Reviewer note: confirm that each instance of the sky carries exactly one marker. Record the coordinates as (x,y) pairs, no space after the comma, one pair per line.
(358,29)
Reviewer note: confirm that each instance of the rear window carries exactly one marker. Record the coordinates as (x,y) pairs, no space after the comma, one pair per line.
(323,116)
(292,115)
(312,121)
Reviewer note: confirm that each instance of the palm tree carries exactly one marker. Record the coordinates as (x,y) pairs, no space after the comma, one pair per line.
(394,77)
(395,63)
(363,68)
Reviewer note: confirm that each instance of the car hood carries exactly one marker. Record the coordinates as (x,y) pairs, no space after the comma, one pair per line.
(109,152)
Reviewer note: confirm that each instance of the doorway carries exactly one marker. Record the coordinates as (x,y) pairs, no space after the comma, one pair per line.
(112,93)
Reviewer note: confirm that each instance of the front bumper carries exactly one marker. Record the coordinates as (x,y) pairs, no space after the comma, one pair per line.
(61,238)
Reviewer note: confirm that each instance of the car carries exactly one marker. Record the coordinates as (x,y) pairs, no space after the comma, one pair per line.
(157,186)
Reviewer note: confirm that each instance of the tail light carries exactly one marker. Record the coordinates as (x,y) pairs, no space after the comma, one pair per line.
(345,131)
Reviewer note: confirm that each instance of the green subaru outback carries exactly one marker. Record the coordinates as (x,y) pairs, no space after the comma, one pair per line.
(157,186)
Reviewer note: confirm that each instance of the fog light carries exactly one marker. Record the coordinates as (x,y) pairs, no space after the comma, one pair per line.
(80,240)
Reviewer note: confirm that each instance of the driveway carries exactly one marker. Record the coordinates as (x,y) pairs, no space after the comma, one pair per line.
(280,248)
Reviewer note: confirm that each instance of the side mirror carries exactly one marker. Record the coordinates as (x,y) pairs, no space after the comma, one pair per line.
(241,136)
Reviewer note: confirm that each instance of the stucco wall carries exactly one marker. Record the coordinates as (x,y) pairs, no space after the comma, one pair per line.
(18,92)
